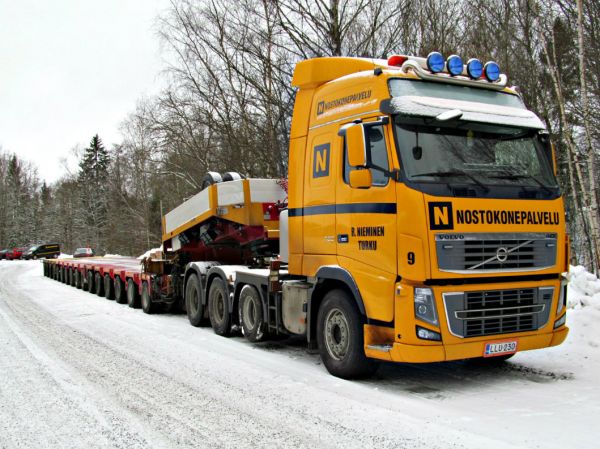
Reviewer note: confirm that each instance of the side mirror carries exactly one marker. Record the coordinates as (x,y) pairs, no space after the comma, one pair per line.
(361,179)
(355,145)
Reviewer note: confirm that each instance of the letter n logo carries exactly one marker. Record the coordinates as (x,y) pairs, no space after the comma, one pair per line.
(440,216)
(321,161)
(320,107)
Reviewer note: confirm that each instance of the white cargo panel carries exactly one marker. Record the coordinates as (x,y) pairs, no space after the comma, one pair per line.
(187,211)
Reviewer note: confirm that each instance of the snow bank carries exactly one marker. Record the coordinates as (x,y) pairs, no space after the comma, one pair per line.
(65,256)
(579,355)
(583,290)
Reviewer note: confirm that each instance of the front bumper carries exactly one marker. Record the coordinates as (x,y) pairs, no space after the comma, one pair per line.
(411,353)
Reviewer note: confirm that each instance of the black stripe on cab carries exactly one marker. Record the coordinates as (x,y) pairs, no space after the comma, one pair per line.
(352,208)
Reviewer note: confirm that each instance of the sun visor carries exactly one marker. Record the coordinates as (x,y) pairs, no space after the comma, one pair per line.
(422,106)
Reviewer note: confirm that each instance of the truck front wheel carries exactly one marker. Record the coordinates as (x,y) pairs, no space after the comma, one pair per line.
(218,307)
(340,337)
(193,301)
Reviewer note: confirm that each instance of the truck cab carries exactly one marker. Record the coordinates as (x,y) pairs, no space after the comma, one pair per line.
(424,190)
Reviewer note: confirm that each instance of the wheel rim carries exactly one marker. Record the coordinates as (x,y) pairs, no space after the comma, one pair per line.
(336,334)
(218,307)
(249,312)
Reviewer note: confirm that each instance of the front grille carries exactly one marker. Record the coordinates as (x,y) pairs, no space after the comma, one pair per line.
(492,312)
(495,252)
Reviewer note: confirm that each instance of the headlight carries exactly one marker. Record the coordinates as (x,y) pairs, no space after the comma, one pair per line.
(425,306)
(561,321)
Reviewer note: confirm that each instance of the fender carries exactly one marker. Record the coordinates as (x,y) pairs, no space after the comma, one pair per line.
(337,273)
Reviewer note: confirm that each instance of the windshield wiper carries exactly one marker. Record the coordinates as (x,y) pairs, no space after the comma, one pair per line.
(448,173)
(514,176)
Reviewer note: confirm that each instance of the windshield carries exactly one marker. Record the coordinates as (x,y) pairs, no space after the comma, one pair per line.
(33,248)
(470,153)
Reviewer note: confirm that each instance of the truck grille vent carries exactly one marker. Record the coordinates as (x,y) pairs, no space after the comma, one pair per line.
(473,253)
(476,314)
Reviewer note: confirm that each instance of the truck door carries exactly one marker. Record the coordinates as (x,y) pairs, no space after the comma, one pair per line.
(319,198)
(366,218)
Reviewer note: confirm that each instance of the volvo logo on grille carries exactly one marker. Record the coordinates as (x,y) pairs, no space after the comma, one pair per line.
(502,254)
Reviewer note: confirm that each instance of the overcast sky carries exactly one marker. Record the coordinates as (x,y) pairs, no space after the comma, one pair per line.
(70,69)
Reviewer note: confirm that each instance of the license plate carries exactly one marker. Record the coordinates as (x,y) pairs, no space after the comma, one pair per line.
(500,348)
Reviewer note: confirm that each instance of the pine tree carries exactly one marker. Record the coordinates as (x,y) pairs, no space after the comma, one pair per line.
(92,180)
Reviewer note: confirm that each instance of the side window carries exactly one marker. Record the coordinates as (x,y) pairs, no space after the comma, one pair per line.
(376,153)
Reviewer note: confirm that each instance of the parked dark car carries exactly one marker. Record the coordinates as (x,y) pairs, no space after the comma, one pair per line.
(3,253)
(15,253)
(83,252)
(49,251)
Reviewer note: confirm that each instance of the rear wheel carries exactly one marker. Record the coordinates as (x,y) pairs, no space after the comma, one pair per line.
(147,305)
(109,292)
(218,307)
(133,297)
(251,313)
(193,301)
(340,337)
(120,296)
(99,285)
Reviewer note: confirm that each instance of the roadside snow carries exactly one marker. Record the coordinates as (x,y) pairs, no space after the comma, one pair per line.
(151,251)
(80,371)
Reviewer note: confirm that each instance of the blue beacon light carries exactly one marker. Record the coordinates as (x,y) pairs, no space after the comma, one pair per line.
(435,62)
(491,71)
(474,68)
(454,64)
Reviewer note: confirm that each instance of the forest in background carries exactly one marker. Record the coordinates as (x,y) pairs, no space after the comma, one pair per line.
(229,101)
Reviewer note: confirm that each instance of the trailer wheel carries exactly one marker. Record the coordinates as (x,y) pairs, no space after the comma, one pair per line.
(109,291)
(78,279)
(193,301)
(119,291)
(340,337)
(99,285)
(73,277)
(218,307)
(147,305)
(90,281)
(133,297)
(251,314)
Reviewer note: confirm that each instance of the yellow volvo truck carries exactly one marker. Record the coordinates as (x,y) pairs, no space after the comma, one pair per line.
(421,222)
(424,210)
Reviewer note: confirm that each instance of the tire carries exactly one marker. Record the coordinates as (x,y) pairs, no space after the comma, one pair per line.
(90,281)
(193,301)
(133,297)
(109,291)
(73,277)
(78,279)
(218,307)
(251,314)
(231,176)
(340,337)
(147,305)
(212,177)
(120,296)
(99,285)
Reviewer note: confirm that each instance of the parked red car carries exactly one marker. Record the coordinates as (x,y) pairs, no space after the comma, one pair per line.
(15,253)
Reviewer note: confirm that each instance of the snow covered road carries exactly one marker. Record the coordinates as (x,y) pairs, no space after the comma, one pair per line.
(79,371)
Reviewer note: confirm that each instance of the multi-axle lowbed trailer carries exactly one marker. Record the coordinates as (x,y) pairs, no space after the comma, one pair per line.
(118,278)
